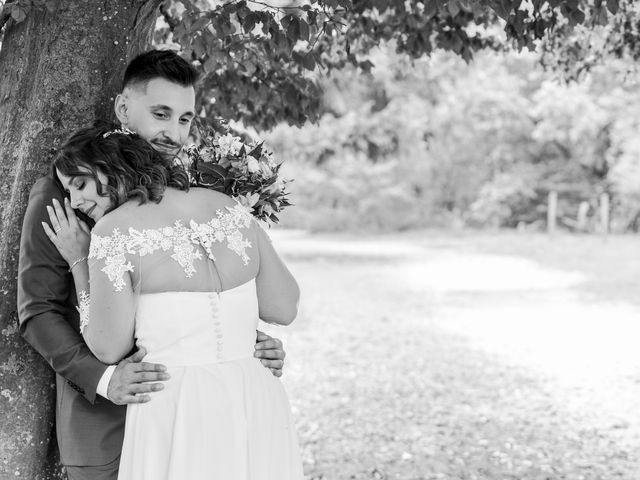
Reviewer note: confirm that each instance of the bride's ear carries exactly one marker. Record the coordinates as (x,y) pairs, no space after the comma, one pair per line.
(120,107)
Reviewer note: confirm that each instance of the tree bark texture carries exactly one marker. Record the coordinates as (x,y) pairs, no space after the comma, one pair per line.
(59,70)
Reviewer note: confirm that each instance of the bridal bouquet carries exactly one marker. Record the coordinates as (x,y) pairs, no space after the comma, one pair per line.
(248,173)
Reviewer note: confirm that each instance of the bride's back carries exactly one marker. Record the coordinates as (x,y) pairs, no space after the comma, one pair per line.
(198,240)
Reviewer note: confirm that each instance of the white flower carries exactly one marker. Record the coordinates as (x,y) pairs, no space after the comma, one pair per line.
(249,200)
(208,154)
(266,170)
(240,165)
(229,145)
(276,186)
(268,209)
(253,165)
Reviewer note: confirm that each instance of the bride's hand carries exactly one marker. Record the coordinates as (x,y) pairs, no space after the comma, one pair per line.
(70,235)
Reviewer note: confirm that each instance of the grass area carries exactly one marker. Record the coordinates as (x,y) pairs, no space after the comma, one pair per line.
(380,390)
(611,264)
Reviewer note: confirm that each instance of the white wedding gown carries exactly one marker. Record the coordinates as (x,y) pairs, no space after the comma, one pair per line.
(222,415)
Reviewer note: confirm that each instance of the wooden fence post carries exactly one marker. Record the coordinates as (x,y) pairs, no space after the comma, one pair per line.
(552,212)
(583,211)
(604,213)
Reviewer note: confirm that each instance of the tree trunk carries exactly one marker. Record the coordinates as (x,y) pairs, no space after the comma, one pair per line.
(59,70)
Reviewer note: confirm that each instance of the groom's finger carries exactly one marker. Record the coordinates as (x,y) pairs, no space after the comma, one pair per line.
(135,399)
(277,364)
(145,388)
(273,354)
(150,377)
(261,336)
(149,367)
(270,344)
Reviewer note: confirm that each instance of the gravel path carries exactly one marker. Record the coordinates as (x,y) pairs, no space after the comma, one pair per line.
(413,360)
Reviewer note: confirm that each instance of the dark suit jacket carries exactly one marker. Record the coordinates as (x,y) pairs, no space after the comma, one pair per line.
(90,428)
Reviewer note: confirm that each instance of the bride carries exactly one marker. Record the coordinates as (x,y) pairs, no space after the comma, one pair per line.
(184,273)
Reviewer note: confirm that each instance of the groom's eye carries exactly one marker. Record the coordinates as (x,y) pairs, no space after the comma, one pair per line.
(160,115)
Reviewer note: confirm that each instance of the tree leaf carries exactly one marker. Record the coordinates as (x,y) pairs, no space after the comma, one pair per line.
(430,9)
(293,29)
(210,65)
(303,30)
(454,8)
(249,22)
(309,61)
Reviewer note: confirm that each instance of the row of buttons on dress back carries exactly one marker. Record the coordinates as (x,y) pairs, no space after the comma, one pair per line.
(214,301)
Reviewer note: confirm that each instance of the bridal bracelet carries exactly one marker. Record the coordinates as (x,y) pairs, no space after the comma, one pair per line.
(82,259)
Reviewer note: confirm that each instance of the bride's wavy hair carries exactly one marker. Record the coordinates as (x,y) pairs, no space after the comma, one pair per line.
(134,170)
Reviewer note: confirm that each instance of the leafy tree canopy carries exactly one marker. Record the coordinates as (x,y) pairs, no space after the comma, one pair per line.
(261,59)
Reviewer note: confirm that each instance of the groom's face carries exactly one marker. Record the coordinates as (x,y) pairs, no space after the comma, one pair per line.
(160,112)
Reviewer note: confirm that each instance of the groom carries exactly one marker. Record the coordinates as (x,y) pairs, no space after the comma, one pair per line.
(158,102)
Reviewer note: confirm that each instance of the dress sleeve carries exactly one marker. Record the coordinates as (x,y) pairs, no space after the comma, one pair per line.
(47,317)
(109,323)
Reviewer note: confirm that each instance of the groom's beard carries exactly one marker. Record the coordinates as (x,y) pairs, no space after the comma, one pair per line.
(166,147)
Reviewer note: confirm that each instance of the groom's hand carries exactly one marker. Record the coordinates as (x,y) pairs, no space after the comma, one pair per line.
(129,383)
(270,352)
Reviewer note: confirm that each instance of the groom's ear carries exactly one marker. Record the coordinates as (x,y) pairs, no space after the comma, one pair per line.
(120,106)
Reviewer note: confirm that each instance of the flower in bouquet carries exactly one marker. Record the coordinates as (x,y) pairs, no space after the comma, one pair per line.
(246,172)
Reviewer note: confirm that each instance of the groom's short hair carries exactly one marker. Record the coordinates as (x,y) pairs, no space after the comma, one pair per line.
(159,64)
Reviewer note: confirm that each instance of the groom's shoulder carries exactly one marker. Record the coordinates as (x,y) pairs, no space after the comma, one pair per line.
(45,186)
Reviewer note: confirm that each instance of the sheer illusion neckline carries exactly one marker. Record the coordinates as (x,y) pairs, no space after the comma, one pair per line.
(182,241)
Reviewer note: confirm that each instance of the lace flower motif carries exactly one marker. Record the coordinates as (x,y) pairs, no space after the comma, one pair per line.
(83,309)
(112,249)
(181,240)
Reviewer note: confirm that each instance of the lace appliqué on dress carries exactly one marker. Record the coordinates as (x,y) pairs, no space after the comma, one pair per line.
(182,240)
(112,249)
(83,309)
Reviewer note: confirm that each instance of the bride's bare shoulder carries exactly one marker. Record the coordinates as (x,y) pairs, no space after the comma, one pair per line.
(199,204)
(118,219)
(211,197)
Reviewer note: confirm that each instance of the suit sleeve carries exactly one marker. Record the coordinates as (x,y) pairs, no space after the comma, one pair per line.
(46,310)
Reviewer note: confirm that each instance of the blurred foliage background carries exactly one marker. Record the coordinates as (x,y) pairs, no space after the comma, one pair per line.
(440,113)
(437,142)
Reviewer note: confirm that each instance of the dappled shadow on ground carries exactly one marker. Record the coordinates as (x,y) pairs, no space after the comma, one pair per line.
(456,362)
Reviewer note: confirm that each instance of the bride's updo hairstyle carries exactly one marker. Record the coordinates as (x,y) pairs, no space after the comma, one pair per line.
(134,170)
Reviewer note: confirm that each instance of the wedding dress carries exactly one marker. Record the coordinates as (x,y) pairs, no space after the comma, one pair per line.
(222,415)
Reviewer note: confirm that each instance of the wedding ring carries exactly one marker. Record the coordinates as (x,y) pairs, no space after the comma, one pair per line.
(57,230)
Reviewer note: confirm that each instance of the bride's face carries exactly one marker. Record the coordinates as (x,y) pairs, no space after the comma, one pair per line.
(83,193)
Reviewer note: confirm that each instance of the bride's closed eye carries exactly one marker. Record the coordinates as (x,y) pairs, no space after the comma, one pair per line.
(79,185)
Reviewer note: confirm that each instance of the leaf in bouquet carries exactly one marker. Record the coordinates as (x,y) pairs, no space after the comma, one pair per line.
(212,169)
(230,186)
(256,152)
(267,182)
